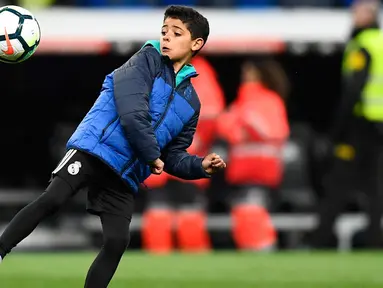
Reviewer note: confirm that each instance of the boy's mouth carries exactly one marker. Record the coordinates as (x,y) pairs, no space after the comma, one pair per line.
(165,49)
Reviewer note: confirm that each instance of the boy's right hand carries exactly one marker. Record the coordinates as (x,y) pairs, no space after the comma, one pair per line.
(157,166)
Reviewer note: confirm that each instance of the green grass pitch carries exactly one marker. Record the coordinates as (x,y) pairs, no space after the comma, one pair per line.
(216,270)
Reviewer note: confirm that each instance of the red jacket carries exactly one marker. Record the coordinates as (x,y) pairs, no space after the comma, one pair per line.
(256,126)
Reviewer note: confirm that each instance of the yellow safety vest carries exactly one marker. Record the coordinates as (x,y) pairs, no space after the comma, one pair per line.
(371,104)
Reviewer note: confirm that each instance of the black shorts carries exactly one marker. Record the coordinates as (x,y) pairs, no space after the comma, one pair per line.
(106,190)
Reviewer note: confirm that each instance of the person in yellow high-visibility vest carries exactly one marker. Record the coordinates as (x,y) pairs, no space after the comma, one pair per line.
(357,133)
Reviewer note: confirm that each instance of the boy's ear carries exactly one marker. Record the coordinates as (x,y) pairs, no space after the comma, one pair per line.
(197,44)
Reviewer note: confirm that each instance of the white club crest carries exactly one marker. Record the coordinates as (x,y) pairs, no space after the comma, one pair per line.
(74,168)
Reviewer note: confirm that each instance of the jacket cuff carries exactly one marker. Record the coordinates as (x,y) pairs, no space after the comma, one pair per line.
(202,171)
(149,156)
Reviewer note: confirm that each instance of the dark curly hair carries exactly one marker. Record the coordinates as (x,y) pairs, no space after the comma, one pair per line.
(193,20)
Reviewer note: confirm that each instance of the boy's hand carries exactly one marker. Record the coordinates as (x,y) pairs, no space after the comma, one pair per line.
(157,166)
(213,163)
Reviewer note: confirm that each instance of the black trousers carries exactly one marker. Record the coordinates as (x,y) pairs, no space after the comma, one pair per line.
(363,172)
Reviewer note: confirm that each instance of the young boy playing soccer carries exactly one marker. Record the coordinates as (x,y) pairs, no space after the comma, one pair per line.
(142,123)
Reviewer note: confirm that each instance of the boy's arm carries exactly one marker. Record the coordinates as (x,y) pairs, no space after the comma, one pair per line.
(178,162)
(132,86)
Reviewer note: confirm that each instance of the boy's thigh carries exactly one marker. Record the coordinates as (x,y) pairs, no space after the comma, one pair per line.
(109,194)
(76,168)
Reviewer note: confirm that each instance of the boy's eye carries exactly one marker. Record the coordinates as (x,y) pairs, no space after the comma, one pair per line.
(163,33)
(177,34)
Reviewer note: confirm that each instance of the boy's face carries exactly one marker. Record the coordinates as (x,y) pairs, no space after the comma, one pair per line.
(176,41)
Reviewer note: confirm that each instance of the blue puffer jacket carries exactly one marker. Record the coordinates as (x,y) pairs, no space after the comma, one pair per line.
(144,112)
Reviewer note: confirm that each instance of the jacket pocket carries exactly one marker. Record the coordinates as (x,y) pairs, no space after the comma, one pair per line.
(108,130)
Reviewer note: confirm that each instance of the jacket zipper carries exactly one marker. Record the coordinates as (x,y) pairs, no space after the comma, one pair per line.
(171,97)
(158,123)
(107,126)
(130,162)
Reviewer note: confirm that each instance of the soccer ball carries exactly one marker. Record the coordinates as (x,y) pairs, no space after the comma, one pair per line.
(19,34)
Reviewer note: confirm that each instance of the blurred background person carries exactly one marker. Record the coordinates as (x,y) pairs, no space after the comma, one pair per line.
(256,128)
(357,132)
(176,202)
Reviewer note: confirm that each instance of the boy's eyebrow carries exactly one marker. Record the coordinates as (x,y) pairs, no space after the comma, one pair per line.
(175,26)
(178,27)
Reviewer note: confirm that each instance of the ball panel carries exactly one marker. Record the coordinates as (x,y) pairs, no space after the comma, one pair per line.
(3,47)
(27,55)
(30,32)
(17,47)
(9,21)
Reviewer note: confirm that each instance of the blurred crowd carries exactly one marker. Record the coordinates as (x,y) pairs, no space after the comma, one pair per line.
(207,3)
(254,131)
(250,134)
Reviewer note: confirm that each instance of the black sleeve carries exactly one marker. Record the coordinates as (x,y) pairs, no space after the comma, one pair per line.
(352,87)
(178,162)
(132,86)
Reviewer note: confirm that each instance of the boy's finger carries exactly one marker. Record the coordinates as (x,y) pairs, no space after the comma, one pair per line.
(221,164)
(213,155)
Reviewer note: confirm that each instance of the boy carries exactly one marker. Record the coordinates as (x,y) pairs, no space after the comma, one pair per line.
(142,123)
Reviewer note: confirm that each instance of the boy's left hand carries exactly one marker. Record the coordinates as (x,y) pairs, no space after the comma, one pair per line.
(213,163)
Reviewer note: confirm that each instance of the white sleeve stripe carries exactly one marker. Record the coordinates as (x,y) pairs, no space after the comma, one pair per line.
(65,160)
